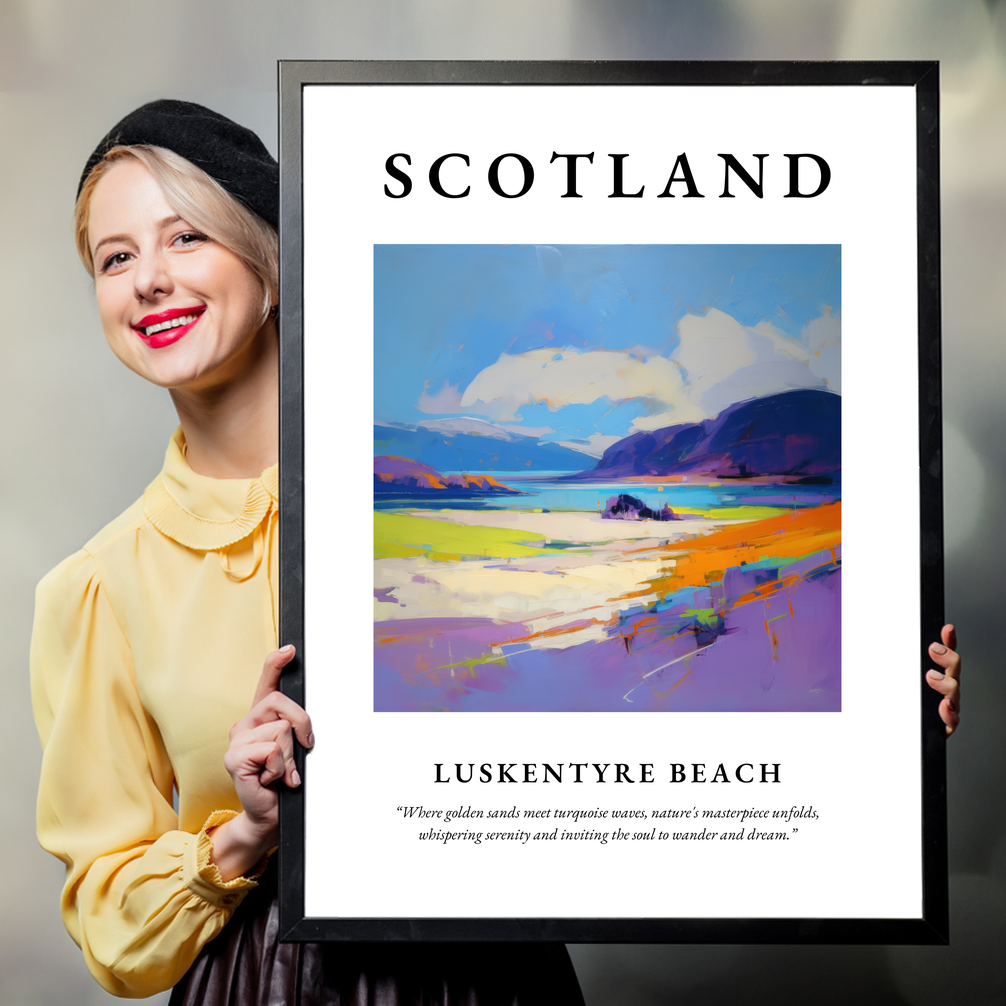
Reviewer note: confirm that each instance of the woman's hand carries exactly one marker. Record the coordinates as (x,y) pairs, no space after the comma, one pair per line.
(947,682)
(260,753)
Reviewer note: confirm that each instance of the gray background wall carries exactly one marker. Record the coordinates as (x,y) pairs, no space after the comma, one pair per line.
(81,436)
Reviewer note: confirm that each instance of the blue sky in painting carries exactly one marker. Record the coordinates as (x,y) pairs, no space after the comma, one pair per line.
(711,323)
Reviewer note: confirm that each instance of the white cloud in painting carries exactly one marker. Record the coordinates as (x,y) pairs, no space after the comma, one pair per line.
(717,362)
(724,362)
(823,337)
(570,377)
(447,399)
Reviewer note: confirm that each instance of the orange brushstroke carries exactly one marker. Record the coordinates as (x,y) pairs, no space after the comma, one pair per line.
(703,561)
(481,481)
(775,641)
(643,625)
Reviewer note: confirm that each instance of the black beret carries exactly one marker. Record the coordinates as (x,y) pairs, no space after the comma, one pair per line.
(231,154)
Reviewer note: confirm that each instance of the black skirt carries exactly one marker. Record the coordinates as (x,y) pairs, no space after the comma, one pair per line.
(246,965)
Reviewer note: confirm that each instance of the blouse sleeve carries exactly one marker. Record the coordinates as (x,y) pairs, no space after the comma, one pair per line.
(141,898)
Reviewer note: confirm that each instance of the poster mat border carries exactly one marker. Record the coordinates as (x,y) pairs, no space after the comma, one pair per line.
(933,926)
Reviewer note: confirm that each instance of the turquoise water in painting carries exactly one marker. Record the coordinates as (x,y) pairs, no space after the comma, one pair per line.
(546,491)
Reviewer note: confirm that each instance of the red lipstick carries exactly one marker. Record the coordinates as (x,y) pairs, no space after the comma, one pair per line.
(165,332)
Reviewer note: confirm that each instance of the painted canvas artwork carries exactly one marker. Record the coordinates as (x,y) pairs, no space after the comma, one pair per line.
(607,478)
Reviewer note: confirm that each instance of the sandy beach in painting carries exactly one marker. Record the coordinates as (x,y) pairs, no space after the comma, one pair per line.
(604,563)
(578,612)
(607,562)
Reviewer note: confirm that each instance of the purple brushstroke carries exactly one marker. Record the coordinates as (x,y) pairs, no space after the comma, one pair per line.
(413,658)
(753,656)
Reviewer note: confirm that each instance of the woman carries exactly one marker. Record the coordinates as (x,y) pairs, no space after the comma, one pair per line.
(148,643)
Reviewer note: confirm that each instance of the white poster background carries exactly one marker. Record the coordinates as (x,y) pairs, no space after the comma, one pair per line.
(860,768)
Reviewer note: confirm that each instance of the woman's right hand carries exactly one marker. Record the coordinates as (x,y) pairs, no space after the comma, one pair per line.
(260,753)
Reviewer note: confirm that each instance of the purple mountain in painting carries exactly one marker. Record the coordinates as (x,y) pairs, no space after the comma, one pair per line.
(794,434)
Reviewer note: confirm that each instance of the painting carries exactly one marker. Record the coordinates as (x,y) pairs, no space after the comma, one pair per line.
(607,478)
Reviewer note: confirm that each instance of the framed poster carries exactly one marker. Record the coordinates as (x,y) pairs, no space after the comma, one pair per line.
(611,501)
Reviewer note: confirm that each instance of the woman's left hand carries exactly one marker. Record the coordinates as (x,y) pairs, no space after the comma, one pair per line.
(948,681)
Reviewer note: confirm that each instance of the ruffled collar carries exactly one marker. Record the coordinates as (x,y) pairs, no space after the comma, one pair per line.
(203,513)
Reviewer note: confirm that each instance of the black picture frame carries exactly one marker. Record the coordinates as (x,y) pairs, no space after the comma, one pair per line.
(932,925)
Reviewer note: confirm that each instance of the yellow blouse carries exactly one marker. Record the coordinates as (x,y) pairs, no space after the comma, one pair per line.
(147,647)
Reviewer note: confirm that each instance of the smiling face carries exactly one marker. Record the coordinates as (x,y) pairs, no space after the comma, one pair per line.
(177,307)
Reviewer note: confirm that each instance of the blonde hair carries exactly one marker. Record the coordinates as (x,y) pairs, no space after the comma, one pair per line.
(199,200)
